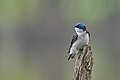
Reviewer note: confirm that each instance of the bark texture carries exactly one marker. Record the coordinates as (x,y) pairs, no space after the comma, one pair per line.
(83,64)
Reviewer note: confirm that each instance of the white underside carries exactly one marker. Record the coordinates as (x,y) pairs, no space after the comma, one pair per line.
(83,39)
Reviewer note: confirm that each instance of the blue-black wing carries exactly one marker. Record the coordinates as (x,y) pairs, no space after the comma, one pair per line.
(88,33)
(74,38)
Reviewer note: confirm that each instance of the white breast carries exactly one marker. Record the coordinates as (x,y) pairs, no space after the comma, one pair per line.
(82,40)
(87,39)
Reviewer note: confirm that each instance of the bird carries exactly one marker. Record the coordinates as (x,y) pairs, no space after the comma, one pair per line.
(80,38)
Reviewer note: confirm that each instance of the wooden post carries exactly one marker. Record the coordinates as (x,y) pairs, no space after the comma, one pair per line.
(83,64)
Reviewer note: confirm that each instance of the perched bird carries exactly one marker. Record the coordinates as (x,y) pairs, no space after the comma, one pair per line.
(79,39)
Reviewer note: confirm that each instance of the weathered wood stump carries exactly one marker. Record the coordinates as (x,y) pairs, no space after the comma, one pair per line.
(83,64)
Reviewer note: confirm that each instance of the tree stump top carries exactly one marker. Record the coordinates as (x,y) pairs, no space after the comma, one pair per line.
(83,64)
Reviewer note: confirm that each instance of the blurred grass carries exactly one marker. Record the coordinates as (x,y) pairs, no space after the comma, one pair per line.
(35,34)
(91,11)
(15,70)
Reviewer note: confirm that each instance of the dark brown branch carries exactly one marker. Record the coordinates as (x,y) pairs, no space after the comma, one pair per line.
(83,64)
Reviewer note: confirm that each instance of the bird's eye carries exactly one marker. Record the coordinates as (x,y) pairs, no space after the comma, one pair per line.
(83,29)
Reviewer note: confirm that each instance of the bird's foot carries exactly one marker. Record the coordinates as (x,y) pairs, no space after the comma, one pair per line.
(80,50)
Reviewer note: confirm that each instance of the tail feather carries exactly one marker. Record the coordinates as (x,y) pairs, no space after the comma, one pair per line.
(71,56)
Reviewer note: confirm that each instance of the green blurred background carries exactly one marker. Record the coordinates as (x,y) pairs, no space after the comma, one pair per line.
(35,37)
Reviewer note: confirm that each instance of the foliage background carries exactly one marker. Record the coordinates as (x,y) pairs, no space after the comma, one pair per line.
(35,36)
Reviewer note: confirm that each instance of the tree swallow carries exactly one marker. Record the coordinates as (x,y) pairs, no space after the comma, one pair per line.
(79,39)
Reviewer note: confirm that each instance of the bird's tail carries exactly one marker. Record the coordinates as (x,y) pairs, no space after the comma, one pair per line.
(71,56)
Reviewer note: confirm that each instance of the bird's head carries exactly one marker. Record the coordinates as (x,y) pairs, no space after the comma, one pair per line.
(80,27)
